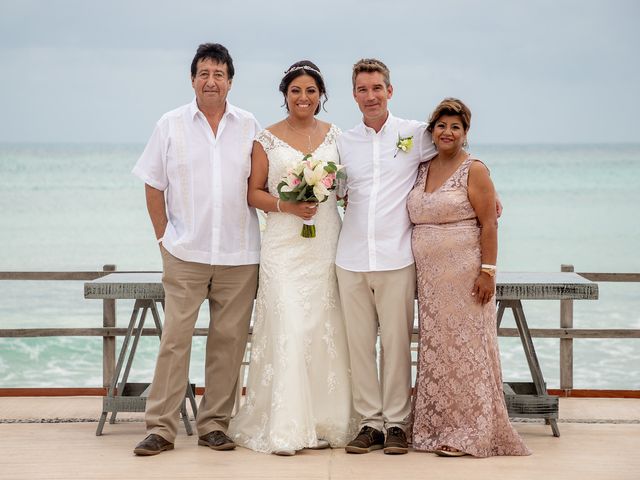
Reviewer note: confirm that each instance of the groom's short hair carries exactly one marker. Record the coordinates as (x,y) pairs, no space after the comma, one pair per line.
(369,65)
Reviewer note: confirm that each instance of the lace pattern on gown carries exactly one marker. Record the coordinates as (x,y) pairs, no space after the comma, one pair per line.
(298,387)
(459,400)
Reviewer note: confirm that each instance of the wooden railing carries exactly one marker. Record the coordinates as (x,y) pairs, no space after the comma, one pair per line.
(109,331)
(567,333)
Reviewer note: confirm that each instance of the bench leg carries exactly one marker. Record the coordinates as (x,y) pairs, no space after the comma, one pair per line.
(500,313)
(185,416)
(123,353)
(192,399)
(532,358)
(144,304)
(103,418)
(554,426)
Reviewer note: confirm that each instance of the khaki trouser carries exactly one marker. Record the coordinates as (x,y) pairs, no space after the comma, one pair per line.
(231,291)
(384,299)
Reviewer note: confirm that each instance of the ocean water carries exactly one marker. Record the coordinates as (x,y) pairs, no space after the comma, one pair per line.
(77,207)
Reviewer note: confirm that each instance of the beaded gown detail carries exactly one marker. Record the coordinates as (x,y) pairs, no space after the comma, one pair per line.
(458,398)
(298,386)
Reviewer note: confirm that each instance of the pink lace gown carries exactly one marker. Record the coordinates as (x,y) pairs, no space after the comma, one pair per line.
(458,396)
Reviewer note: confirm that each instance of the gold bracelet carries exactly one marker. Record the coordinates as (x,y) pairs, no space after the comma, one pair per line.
(278,206)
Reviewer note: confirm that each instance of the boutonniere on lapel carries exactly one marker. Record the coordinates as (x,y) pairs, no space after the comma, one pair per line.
(404,144)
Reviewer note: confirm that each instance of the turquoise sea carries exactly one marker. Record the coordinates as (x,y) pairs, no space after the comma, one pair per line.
(77,207)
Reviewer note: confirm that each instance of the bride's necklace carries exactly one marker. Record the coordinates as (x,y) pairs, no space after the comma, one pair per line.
(302,134)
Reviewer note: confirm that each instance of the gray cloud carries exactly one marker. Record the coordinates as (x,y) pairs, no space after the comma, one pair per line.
(531,71)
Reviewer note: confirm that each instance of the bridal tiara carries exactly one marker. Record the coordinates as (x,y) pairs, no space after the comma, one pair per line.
(302,67)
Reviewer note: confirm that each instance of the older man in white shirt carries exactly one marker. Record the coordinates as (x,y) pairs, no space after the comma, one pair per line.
(375,266)
(195,168)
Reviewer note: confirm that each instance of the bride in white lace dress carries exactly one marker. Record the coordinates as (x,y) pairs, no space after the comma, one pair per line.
(299,390)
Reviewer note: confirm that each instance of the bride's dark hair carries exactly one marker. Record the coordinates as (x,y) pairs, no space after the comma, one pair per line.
(304,67)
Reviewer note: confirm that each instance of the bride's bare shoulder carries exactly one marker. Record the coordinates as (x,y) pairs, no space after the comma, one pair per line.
(277,128)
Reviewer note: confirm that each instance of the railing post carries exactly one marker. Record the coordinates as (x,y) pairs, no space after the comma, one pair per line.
(108,342)
(566,344)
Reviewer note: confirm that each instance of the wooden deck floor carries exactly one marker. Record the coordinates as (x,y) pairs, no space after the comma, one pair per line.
(600,440)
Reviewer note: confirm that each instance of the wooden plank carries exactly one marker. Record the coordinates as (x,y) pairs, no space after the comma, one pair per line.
(100,392)
(108,342)
(589,393)
(544,286)
(509,286)
(51,275)
(566,344)
(503,332)
(79,332)
(574,332)
(53,392)
(75,275)
(506,388)
(532,406)
(129,286)
(610,277)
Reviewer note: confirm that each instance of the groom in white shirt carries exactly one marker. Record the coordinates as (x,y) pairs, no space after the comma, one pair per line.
(375,266)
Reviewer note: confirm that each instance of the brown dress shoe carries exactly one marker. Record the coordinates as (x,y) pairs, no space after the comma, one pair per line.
(367,440)
(152,445)
(217,440)
(396,443)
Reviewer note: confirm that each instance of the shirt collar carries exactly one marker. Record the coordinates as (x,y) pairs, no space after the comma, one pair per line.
(368,130)
(193,108)
(229,109)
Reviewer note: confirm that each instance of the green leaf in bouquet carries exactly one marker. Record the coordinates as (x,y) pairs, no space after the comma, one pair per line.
(330,167)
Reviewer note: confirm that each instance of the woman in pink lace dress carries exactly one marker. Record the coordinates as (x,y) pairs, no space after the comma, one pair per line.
(459,406)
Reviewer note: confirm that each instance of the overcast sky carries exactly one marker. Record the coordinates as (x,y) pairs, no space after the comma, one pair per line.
(531,71)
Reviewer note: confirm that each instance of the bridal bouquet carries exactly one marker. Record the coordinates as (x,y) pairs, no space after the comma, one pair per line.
(310,180)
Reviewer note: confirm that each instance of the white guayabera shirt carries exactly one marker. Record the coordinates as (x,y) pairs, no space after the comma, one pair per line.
(204,178)
(376,230)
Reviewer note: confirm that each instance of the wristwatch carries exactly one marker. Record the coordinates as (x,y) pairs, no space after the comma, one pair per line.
(488,269)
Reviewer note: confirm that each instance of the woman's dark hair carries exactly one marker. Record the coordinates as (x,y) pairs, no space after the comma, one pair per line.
(215,52)
(304,67)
